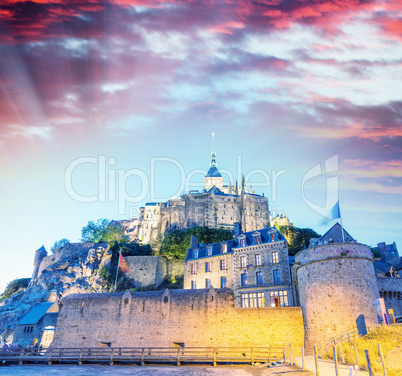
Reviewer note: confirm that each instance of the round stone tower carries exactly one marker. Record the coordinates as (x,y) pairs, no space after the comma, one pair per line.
(337,289)
(39,255)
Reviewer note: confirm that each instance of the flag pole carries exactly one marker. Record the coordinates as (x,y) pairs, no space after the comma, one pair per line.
(340,217)
(117,271)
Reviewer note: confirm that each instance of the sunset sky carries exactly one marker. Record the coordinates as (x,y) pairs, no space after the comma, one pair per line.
(91,91)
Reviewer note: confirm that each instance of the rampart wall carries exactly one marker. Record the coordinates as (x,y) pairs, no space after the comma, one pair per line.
(337,289)
(193,317)
(391,291)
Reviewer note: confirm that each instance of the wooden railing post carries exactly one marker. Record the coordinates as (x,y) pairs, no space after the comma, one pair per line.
(21,355)
(142,356)
(178,356)
(302,350)
(215,351)
(336,362)
(382,360)
(111,358)
(252,356)
(357,358)
(317,371)
(49,362)
(369,365)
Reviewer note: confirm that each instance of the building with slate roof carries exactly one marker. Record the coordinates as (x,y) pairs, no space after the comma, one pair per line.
(255,265)
(37,326)
(215,206)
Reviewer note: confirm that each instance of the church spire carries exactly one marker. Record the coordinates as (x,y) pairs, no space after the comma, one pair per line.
(213,155)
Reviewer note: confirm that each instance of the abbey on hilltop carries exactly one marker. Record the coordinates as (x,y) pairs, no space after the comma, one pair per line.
(216,206)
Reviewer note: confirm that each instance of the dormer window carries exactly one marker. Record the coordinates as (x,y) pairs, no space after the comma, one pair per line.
(272,237)
(195,252)
(224,248)
(257,239)
(209,251)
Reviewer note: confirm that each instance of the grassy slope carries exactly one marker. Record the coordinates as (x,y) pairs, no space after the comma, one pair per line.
(390,337)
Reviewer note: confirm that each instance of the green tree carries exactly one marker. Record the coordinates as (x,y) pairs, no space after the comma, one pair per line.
(297,238)
(59,243)
(15,286)
(103,230)
(175,243)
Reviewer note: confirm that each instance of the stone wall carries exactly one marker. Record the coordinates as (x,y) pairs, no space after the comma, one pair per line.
(152,270)
(193,317)
(337,289)
(391,291)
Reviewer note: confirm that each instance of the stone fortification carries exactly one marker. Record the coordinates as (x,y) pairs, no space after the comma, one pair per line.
(337,289)
(152,270)
(165,318)
(391,291)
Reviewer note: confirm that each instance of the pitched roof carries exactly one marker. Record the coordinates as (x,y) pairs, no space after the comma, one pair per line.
(36,312)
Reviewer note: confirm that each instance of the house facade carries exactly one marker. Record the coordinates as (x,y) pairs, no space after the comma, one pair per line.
(255,265)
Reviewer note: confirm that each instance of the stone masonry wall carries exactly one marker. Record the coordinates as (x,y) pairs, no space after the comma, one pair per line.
(391,291)
(337,288)
(193,317)
(152,270)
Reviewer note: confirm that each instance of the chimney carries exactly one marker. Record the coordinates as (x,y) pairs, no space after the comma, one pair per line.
(383,251)
(237,230)
(193,242)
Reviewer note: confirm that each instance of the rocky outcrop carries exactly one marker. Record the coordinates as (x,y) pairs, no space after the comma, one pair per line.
(72,269)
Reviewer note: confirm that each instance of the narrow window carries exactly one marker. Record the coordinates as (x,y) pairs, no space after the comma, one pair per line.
(207,267)
(258,278)
(195,253)
(207,283)
(243,279)
(224,282)
(193,285)
(243,261)
(258,259)
(257,239)
(275,258)
(223,264)
(193,269)
(277,276)
(272,237)
(242,242)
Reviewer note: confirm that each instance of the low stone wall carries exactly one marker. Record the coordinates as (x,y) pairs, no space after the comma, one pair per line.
(163,318)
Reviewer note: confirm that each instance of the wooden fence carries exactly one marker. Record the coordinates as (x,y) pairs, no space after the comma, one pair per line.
(144,355)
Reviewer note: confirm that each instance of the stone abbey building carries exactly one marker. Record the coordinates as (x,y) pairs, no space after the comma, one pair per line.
(216,206)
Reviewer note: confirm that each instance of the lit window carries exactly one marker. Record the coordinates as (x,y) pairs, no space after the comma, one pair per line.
(258,259)
(209,251)
(207,283)
(257,239)
(224,282)
(251,300)
(279,298)
(223,264)
(207,267)
(243,261)
(277,276)
(242,242)
(272,237)
(243,281)
(193,285)
(224,248)
(193,268)
(258,278)
(275,258)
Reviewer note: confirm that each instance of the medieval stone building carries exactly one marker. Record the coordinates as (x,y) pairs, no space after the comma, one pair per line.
(216,206)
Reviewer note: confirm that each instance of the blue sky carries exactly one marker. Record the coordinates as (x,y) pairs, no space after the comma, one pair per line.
(285,85)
